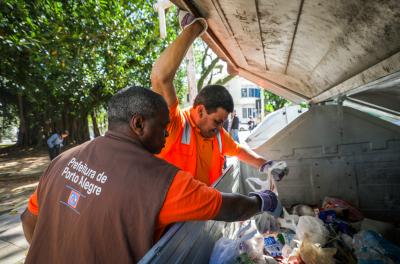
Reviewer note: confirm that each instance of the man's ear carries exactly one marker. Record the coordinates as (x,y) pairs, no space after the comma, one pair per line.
(137,124)
(201,110)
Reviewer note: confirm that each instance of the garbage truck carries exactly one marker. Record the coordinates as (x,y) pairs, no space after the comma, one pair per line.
(340,57)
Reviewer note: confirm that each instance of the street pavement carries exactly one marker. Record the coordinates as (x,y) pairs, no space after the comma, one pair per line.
(13,246)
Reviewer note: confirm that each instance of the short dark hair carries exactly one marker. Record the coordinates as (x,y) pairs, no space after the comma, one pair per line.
(134,100)
(214,96)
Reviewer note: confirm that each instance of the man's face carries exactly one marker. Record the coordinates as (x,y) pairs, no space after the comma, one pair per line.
(210,123)
(154,132)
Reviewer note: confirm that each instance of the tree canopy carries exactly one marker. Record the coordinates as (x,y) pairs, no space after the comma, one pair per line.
(62,60)
(273,102)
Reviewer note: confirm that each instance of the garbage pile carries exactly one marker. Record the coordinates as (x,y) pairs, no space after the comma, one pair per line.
(335,233)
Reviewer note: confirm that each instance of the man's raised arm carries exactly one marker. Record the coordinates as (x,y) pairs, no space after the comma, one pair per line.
(164,70)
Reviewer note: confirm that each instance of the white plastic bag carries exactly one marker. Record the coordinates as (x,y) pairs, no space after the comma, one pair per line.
(266,222)
(226,250)
(254,247)
(314,227)
(289,221)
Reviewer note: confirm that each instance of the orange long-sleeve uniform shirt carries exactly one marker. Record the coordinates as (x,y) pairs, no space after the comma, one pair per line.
(201,157)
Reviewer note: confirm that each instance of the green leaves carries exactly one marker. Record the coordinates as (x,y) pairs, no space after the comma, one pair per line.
(77,53)
(273,102)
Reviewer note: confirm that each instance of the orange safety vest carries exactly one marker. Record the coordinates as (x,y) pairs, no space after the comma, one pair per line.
(183,154)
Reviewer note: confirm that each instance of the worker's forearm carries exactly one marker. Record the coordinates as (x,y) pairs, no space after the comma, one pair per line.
(251,158)
(167,64)
(28,224)
(237,207)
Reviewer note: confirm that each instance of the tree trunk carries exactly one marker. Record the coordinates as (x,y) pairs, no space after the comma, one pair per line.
(81,129)
(64,117)
(22,132)
(96,130)
(85,128)
(35,135)
(71,128)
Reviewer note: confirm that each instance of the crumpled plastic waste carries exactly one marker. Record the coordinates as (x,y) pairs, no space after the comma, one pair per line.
(253,247)
(286,237)
(273,246)
(247,248)
(340,206)
(323,238)
(270,260)
(295,260)
(286,251)
(288,221)
(328,216)
(347,240)
(226,250)
(383,228)
(370,248)
(245,259)
(266,222)
(314,227)
(302,209)
(311,253)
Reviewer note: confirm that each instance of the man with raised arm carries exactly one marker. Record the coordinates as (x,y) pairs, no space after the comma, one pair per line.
(197,143)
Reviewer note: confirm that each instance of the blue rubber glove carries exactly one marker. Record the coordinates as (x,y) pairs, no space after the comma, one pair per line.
(269,202)
(278,169)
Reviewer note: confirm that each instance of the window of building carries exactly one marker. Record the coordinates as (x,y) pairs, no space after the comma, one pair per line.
(254,92)
(251,92)
(244,112)
(249,112)
(244,92)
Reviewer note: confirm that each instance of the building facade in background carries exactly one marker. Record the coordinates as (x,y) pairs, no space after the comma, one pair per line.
(248,99)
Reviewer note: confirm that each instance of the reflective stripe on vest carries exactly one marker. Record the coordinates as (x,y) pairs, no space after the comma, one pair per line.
(187,130)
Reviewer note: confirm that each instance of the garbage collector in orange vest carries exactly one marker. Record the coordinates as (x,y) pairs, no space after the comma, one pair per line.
(110,199)
(197,143)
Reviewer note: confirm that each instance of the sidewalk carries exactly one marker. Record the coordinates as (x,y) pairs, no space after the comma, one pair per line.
(13,246)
